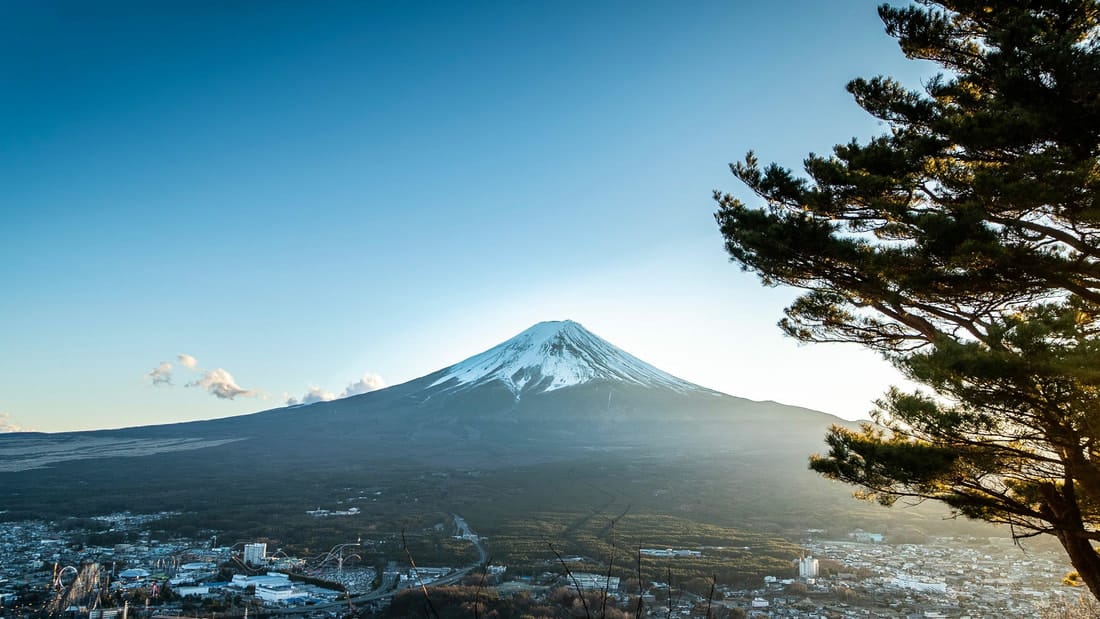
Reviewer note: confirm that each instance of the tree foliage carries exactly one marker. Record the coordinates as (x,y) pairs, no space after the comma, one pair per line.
(964,245)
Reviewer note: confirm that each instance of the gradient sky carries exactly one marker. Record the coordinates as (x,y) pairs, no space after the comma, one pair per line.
(300,194)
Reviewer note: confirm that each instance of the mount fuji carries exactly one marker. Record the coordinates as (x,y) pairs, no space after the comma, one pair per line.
(556,355)
(553,414)
(553,390)
(542,436)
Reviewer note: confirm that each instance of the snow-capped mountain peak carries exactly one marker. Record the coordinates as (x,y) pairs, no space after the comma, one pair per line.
(553,355)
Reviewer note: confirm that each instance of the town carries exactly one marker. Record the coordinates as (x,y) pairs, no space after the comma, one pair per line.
(49,571)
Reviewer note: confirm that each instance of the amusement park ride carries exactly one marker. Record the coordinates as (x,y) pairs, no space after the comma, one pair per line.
(80,588)
(336,554)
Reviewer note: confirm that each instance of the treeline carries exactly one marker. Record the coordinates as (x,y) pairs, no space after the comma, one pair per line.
(462,602)
(734,556)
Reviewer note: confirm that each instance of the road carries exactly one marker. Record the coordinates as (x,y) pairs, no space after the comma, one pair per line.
(482,555)
(472,537)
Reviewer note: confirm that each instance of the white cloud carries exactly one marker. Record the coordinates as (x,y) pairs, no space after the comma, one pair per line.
(162,374)
(187,361)
(7,425)
(220,383)
(369,382)
(316,394)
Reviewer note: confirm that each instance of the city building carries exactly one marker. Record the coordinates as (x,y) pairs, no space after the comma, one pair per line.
(588,581)
(255,554)
(807,568)
(133,574)
(908,582)
(670,552)
(277,592)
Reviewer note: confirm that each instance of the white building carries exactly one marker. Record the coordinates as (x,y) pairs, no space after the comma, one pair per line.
(255,554)
(273,587)
(421,576)
(807,568)
(908,582)
(277,592)
(670,552)
(867,538)
(588,581)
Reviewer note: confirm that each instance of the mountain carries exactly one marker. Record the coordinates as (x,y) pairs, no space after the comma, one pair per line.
(555,355)
(552,419)
(550,391)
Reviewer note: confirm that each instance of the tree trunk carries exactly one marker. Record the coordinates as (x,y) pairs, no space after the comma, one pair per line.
(1062,511)
(1084,559)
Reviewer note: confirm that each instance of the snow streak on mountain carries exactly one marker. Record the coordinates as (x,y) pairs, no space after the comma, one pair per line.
(553,355)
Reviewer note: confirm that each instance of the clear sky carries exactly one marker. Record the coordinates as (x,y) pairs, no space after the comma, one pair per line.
(301,195)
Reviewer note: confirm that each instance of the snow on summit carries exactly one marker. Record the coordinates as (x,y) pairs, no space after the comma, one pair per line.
(553,355)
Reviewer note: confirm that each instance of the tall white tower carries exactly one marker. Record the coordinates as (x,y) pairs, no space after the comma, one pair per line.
(255,554)
(807,568)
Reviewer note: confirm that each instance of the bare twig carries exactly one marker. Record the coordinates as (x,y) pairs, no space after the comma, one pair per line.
(610,564)
(710,596)
(480,586)
(416,574)
(576,585)
(347,595)
(669,592)
(638,564)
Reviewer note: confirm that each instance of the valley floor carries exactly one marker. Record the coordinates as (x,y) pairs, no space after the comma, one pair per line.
(855,577)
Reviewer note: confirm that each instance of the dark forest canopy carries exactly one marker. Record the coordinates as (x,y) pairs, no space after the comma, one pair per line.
(964,245)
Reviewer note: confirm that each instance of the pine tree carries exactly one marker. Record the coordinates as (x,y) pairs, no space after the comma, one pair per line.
(964,245)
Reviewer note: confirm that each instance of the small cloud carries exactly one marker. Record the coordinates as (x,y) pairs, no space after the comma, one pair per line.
(369,382)
(188,361)
(162,374)
(221,384)
(316,394)
(7,425)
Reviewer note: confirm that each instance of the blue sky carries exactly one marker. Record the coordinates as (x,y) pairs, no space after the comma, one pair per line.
(301,194)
